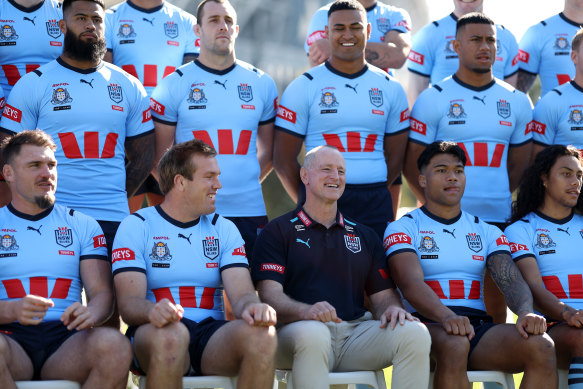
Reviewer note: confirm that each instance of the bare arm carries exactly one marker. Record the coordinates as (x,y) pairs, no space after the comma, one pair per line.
(108,57)
(394,147)
(140,155)
(164,135)
(512,80)
(536,148)
(388,308)
(285,161)
(265,148)
(319,52)
(524,80)
(392,53)
(518,161)
(411,171)
(417,84)
(246,305)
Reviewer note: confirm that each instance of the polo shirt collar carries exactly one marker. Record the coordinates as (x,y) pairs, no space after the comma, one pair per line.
(309,222)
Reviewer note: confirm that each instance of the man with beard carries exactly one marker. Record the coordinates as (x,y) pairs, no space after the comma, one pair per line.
(49,252)
(97,114)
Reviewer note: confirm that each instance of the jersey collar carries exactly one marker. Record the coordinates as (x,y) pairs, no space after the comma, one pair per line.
(474,88)
(215,71)
(440,219)
(346,75)
(309,222)
(24,9)
(566,19)
(148,11)
(453,16)
(78,70)
(371,7)
(176,222)
(555,221)
(26,216)
(576,86)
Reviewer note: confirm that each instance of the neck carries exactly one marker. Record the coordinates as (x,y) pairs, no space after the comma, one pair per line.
(323,213)
(555,210)
(472,78)
(367,3)
(80,64)
(217,62)
(26,207)
(443,211)
(348,67)
(578,79)
(147,4)
(178,209)
(573,12)
(459,13)
(28,3)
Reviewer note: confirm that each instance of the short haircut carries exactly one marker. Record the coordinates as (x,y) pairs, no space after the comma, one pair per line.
(311,155)
(443,147)
(576,42)
(11,146)
(473,18)
(200,8)
(341,5)
(178,160)
(67,4)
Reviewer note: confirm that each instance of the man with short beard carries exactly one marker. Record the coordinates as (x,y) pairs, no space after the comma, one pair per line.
(49,252)
(97,114)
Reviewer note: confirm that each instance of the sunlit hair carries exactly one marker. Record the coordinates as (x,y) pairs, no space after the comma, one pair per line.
(473,18)
(443,147)
(200,8)
(531,191)
(576,42)
(11,146)
(178,161)
(312,156)
(341,5)
(67,4)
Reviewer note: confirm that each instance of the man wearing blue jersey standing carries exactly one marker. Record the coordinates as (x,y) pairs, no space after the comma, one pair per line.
(170,263)
(353,106)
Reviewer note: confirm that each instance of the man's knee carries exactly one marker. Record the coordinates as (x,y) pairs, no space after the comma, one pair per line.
(450,348)
(110,345)
(311,336)
(413,336)
(260,340)
(171,340)
(540,348)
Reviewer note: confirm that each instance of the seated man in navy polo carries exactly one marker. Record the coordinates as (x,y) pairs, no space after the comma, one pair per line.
(314,267)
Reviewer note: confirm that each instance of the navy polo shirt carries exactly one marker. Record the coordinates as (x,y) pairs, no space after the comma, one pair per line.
(315,264)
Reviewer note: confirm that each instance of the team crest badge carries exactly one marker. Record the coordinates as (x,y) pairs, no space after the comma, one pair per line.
(53,28)
(562,44)
(210,247)
(328,100)
(64,236)
(456,111)
(544,241)
(8,33)
(245,92)
(61,96)
(8,243)
(383,25)
(376,97)
(428,245)
(160,252)
(115,93)
(196,96)
(126,30)
(474,242)
(171,29)
(576,117)
(449,48)
(352,243)
(503,108)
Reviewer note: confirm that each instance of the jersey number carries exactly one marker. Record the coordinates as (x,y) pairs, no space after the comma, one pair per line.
(91,143)
(150,73)
(481,155)
(38,287)
(553,284)
(226,144)
(188,296)
(353,142)
(12,73)
(456,289)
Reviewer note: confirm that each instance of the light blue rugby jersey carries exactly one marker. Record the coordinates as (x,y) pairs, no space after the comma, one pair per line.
(90,114)
(29,38)
(223,109)
(352,112)
(485,122)
(132,33)
(432,54)
(182,261)
(40,254)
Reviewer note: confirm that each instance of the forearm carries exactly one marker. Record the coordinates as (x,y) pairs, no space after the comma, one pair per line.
(512,285)
(137,171)
(289,175)
(518,164)
(265,165)
(426,302)
(7,313)
(243,302)
(101,306)
(288,310)
(524,81)
(548,304)
(135,310)
(386,55)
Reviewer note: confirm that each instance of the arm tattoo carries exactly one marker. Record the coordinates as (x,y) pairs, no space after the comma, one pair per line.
(510,281)
(371,55)
(524,81)
(140,156)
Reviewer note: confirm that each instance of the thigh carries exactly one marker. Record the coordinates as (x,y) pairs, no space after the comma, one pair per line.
(145,337)
(19,363)
(568,343)
(301,335)
(444,344)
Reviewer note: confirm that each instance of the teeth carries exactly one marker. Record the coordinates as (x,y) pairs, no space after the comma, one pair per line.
(348,44)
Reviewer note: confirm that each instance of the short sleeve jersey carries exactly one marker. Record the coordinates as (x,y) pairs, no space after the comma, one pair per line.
(182,261)
(315,264)
(223,109)
(432,54)
(352,112)
(132,32)
(485,121)
(90,114)
(41,253)
(29,38)
(556,246)
(558,117)
(545,49)
(453,253)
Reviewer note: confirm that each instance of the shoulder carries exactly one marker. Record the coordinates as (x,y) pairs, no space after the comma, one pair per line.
(251,69)
(116,8)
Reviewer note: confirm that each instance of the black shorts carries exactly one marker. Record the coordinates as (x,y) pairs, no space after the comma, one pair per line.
(150,185)
(200,334)
(109,230)
(481,322)
(249,227)
(39,341)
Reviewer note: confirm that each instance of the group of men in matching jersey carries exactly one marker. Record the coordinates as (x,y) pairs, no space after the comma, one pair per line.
(222,116)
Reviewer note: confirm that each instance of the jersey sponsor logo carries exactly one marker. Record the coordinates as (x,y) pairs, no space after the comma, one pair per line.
(12,113)
(353,142)
(172,43)
(352,243)
(272,267)
(8,35)
(304,218)
(53,28)
(404,115)
(403,23)
(2,103)
(456,110)
(502,241)
(39,287)
(480,157)
(477,257)
(8,243)
(240,251)
(91,145)
(418,126)
(146,115)
(523,56)
(115,93)
(210,247)
(99,241)
(66,252)
(245,92)
(117,108)
(157,107)
(171,29)
(160,252)
(561,45)
(64,236)
(515,59)
(503,108)
(538,127)
(286,114)
(122,254)
(315,36)
(61,96)
(126,30)
(544,241)
(576,117)
(376,97)
(247,106)
(474,242)
(196,96)
(416,57)
(378,112)
(427,245)
(226,143)
(516,247)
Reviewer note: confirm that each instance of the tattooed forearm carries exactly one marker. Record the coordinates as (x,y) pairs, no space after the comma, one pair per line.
(371,56)
(140,156)
(510,281)
(524,81)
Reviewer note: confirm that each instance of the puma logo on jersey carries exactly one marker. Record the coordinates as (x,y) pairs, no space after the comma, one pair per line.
(307,242)
(565,231)
(90,83)
(221,83)
(29,228)
(452,233)
(351,87)
(149,21)
(30,20)
(480,99)
(184,237)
